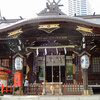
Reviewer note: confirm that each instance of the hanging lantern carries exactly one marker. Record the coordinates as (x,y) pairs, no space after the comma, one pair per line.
(18,63)
(85,61)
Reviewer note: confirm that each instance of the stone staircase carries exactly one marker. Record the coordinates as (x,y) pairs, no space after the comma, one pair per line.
(90,90)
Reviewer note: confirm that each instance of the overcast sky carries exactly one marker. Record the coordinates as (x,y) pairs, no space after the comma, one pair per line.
(29,8)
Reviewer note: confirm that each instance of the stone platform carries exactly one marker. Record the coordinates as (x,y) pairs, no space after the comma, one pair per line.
(50,97)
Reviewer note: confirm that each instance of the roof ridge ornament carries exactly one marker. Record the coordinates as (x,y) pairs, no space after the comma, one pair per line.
(53,1)
(52,8)
(49,1)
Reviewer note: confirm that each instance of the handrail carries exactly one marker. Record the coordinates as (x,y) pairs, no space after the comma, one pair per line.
(72,89)
(6,89)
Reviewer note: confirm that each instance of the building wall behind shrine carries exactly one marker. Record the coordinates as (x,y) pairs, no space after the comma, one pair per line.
(94,70)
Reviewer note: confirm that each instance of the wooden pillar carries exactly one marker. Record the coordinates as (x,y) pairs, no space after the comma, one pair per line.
(52,70)
(21,87)
(44,92)
(85,63)
(59,68)
(85,79)
(35,69)
(52,66)
(45,68)
(74,68)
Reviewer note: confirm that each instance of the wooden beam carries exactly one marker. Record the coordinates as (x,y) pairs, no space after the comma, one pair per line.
(50,47)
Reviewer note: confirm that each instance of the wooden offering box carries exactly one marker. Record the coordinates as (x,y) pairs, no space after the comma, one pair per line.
(54,88)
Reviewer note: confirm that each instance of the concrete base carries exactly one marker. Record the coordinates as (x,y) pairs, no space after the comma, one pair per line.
(67,97)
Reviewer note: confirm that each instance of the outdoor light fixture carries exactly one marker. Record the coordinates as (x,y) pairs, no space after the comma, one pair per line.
(45,50)
(37,51)
(65,50)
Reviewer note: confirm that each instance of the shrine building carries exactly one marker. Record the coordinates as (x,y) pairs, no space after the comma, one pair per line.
(53,51)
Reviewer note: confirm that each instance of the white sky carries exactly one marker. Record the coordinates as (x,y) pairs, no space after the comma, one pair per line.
(29,8)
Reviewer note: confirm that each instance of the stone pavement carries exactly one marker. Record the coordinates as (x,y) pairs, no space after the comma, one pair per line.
(50,97)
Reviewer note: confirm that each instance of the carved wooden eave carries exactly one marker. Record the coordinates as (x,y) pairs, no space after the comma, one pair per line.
(84,53)
(18,54)
(54,25)
(48,28)
(62,18)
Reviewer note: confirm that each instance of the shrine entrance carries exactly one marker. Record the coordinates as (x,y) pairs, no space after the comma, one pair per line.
(55,74)
(52,68)
(55,68)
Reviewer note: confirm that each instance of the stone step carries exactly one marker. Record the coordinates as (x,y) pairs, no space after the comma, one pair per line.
(89,88)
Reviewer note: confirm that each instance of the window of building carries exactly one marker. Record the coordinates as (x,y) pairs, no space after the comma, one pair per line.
(96,64)
(5,62)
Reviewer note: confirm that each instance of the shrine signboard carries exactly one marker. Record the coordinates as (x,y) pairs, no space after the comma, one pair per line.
(55,60)
(52,60)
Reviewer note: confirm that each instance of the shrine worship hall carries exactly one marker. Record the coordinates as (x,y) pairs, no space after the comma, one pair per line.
(54,53)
